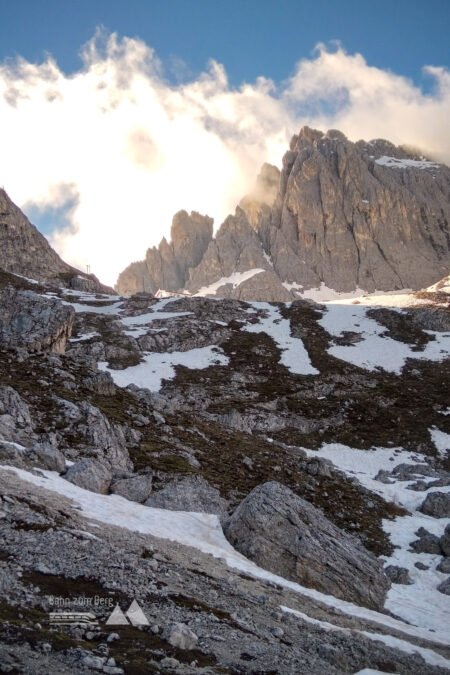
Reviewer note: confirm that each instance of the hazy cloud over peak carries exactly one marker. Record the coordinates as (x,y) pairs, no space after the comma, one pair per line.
(135,148)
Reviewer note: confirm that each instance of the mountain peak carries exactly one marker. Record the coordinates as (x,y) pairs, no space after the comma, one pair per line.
(341,215)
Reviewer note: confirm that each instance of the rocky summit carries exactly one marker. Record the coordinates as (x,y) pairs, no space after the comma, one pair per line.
(253,482)
(340,216)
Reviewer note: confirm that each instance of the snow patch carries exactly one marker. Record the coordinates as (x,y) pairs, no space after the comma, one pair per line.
(395,163)
(85,336)
(292,287)
(441,440)
(294,355)
(267,258)
(236,279)
(31,281)
(391,299)
(365,464)
(161,366)
(92,309)
(420,602)
(376,349)
(442,286)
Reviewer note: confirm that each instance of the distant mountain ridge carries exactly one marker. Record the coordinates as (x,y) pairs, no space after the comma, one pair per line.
(341,215)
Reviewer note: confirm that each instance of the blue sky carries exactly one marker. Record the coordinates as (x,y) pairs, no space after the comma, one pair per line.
(250,37)
(177,103)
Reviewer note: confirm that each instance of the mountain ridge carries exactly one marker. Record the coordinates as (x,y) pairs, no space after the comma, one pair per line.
(348,216)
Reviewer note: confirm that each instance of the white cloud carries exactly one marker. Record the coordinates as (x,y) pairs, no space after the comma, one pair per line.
(126,149)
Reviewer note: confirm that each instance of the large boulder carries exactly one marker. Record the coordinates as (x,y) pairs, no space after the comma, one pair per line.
(34,322)
(436,504)
(192,493)
(288,536)
(90,474)
(135,488)
(179,635)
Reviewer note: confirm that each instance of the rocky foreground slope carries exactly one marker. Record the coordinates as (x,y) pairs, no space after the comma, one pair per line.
(270,482)
(340,215)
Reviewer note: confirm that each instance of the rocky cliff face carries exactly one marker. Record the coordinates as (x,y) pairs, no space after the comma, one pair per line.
(168,265)
(24,251)
(345,215)
(31,321)
(359,215)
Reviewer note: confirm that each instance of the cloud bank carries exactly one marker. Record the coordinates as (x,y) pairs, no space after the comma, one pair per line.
(117,149)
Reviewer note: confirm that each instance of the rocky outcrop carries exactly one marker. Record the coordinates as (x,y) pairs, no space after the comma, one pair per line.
(288,536)
(367,216)
(25,251)
(34,322)
(168,265)
(201,440)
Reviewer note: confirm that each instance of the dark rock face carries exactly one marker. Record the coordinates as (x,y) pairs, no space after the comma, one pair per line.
(168,265)
(31,321)
(349,215)
(24,251)
(444,566)
(444,541)
(444,587)
(288,536)
(237,248)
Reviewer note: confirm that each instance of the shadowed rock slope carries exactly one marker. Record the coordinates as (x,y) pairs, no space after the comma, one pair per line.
(25,251)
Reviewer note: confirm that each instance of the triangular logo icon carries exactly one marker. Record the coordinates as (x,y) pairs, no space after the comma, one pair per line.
(117,618)
(136,615)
